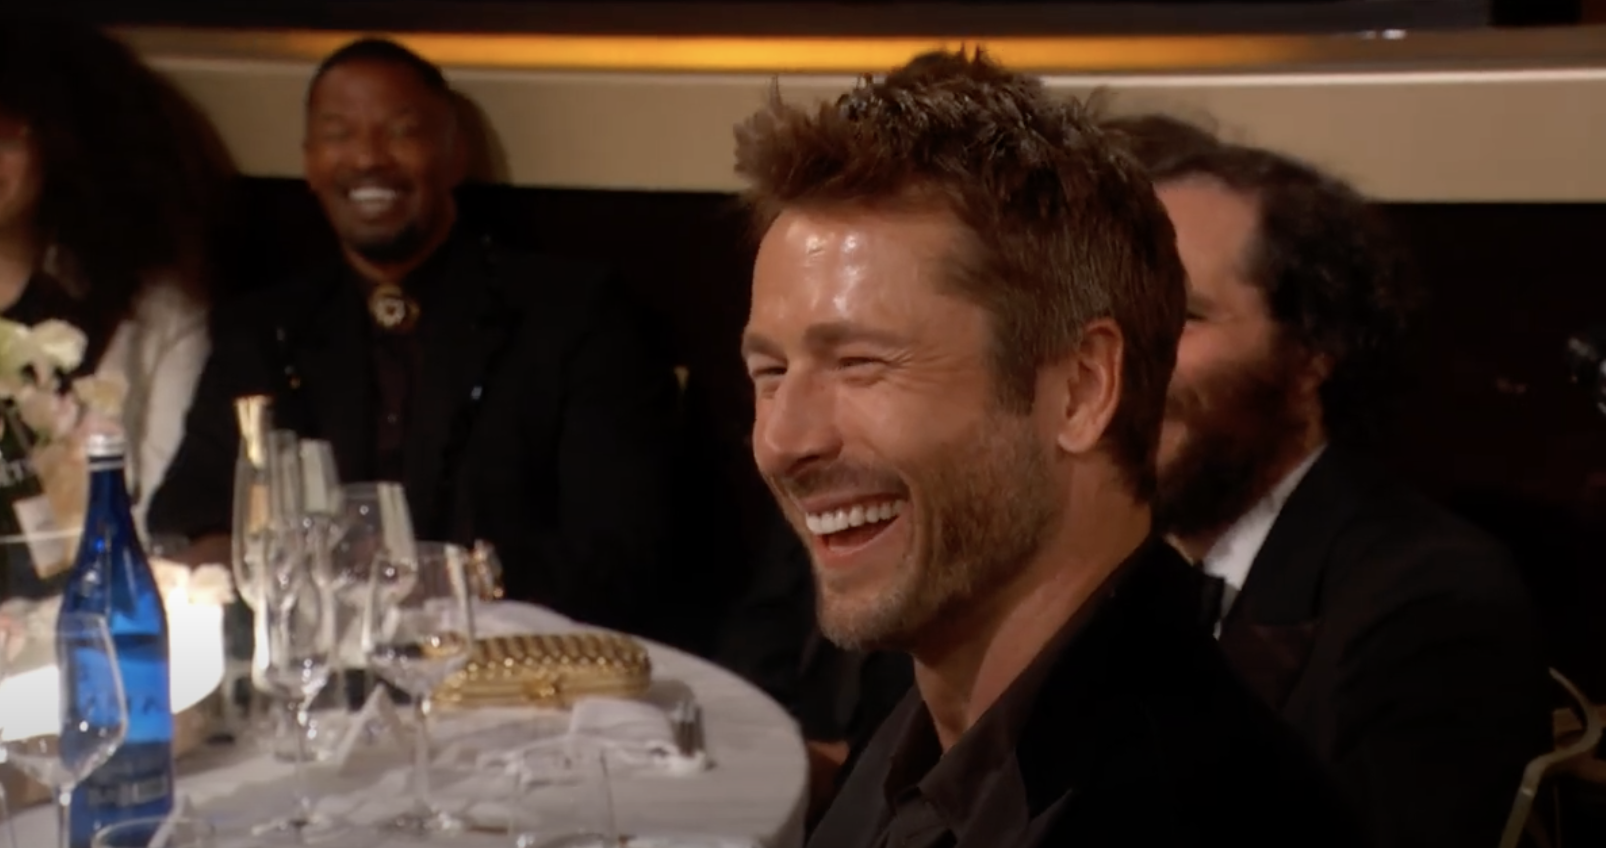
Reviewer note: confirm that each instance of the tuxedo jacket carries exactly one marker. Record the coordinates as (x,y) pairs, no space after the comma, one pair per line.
(1399,642)
(1138,734)
(539,420)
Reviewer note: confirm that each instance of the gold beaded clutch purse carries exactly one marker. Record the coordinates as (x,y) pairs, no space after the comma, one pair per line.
(548,670)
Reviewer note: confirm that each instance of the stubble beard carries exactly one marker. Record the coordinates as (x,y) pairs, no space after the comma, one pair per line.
(983,507)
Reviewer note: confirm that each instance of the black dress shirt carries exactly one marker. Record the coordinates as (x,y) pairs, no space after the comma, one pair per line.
(537,419)
(398,361)
(1127,729)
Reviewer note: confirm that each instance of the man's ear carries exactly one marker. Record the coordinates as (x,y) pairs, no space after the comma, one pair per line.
(1092,388)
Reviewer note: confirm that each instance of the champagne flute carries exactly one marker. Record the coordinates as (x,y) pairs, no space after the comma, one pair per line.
(275,552)
(92,710)
(375,523)
(415,643)
(321,503)
(291,668)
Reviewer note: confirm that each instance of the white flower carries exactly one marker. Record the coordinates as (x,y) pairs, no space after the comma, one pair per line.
(60,344)
(47,414)
(17,349)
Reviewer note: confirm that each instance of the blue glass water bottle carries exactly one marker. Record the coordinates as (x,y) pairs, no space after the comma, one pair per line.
(112,577)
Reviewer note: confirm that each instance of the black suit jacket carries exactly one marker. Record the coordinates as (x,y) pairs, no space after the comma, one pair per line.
(1399,642)
(1139,735)
(540,421)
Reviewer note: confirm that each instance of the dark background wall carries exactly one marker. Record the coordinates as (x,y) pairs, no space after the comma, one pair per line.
(1492,424)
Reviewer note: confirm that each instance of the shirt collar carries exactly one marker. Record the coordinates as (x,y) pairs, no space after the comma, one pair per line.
(957,782)
(1231,557)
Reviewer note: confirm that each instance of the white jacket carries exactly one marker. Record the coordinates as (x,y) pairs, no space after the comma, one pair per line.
(158,353)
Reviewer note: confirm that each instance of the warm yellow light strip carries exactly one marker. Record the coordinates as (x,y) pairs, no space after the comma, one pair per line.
(742,55)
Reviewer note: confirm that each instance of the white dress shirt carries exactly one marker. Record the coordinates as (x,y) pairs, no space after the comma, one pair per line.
(1231,557)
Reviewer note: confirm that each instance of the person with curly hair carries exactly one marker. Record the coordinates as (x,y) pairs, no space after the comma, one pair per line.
(112,187)
(1394,637)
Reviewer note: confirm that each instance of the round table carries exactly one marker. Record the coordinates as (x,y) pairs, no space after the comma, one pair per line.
(755,789)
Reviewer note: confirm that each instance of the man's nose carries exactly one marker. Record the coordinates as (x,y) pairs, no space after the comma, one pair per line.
(373,151)
(794,425)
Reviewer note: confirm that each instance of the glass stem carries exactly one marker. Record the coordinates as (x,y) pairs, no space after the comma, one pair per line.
(64,817)
(421,754)
(298,723)
(5,813)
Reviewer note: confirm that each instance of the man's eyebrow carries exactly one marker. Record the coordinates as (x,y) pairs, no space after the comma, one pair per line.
(838,333)
(821,337)
(754,344)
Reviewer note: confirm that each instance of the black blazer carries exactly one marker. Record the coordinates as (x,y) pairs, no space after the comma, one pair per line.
(1140,735)
(540,421)
(1399,642)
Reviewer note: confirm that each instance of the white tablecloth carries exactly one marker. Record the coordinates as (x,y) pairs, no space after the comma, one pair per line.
(756,788)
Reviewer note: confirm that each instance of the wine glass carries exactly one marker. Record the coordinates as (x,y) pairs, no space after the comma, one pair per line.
(291,667)
(375,523)
(415,642)
(169,832)
(91,717)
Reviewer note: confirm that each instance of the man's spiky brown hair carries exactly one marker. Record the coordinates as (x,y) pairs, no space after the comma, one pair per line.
(1063,226)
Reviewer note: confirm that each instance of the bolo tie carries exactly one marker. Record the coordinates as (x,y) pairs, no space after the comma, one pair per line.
(392,309)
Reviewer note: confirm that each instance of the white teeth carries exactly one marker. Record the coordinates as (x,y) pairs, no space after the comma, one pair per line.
(826,523)
(373,196)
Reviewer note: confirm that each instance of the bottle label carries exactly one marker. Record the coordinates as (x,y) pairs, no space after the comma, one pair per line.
(137,782)
(132,794)
(36,522)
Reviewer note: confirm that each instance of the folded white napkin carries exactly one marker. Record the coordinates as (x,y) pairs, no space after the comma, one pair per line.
(631,734)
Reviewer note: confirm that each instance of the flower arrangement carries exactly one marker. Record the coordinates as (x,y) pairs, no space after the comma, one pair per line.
(54,412)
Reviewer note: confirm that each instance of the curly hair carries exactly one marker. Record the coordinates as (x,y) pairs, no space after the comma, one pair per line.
(1335,279)
(135,179)
(1064,227)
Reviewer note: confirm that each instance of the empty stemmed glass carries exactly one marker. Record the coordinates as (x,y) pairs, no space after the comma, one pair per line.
(375,526)
(322,521)
(291,667)
(418,630)
(61,747)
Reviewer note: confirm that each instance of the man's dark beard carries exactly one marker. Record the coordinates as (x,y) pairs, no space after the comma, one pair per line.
(1230,457)
(401,247)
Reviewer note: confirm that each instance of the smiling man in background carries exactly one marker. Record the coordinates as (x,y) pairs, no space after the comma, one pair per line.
(510,393)
(964,315)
